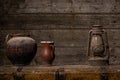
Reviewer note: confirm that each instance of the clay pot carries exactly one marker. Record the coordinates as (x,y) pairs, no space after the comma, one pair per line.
(20,49)
(47,52)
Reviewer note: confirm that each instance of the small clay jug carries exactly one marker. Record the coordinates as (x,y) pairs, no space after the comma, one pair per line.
(47,52)
(20,49)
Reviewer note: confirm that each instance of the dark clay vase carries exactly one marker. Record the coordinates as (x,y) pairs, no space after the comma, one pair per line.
(47,52)
(20,49)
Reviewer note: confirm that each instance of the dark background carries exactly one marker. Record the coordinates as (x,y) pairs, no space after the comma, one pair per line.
(66,22)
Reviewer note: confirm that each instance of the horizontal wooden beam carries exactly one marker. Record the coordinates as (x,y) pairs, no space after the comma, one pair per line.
(66,72)
(59,21)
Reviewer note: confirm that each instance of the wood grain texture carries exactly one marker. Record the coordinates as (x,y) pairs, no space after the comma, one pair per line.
(73,72)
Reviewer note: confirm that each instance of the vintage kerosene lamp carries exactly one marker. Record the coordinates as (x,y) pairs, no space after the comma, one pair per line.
(98,49)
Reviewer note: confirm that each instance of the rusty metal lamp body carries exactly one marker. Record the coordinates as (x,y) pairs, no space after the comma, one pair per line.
(98,49)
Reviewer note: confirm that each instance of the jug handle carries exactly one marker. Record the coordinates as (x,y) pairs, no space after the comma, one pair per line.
(7,37)
(52,51)
(53,47)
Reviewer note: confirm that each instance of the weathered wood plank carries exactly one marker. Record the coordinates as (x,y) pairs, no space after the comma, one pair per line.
(69,6)
(56,72)
(59,21)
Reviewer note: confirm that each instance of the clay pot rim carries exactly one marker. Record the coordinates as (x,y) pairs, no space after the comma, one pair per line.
(20,34)
(47,41)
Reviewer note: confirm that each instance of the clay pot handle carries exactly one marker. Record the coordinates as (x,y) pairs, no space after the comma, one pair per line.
(8,37)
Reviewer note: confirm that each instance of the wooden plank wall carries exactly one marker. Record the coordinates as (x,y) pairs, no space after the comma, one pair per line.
(66,22)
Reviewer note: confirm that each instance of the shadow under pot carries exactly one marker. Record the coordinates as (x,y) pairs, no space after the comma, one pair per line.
(20,49)
(47,52)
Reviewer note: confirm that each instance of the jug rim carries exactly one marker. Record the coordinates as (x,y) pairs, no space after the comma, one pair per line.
(47,41)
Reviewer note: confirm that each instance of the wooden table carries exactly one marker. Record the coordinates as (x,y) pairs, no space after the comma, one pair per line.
(66,72)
